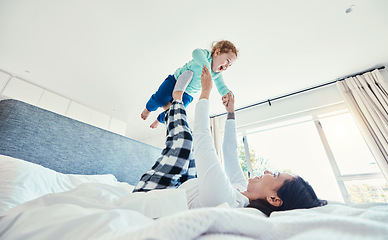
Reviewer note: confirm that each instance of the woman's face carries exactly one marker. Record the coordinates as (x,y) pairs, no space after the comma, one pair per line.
(267,184)
(222,61)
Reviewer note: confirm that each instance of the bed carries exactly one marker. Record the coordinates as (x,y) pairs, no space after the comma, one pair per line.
(63,179)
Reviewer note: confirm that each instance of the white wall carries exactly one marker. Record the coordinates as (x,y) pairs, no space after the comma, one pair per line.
(279,110)
(299,105)
(20,89)
(309,103)
(385,73)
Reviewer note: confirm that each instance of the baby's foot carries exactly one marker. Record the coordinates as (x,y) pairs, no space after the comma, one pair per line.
(155,124)
(145,114)
(183,80)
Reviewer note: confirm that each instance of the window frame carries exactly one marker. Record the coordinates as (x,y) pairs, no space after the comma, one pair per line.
(340,178)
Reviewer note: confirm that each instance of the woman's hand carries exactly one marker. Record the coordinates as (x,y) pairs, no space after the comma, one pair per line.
(206,82)
(228,102)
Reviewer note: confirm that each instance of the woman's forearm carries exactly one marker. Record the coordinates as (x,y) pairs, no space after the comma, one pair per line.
(230,153)
(205,95)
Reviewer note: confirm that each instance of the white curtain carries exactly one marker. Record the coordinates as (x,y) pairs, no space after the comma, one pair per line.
(367,99)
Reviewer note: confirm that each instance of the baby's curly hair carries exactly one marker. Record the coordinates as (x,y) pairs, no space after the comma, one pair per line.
(225,46)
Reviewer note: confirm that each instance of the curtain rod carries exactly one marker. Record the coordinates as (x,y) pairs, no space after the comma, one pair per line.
(300,91)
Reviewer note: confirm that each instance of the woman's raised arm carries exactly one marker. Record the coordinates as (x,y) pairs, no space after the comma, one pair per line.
(229,144)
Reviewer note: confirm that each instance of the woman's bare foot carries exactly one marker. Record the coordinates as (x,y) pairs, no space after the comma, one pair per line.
(155,124)
(145,114)
(177,95)
(167,106)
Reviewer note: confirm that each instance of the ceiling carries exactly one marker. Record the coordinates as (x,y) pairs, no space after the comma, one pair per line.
(111,55)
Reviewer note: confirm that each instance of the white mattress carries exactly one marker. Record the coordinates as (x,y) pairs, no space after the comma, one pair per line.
(58,206)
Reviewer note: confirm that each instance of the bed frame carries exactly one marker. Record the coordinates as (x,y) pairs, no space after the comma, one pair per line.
(68,146)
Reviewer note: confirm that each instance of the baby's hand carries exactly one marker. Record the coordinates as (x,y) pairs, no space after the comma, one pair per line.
(228,102)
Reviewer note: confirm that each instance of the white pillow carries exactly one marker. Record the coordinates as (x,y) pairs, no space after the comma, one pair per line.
(22,181)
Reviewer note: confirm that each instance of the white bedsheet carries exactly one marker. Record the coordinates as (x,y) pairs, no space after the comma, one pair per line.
(100,211)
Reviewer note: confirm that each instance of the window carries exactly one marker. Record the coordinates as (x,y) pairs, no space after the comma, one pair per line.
(327,150)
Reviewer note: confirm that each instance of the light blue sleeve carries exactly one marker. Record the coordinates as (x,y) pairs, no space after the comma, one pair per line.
(203,57)
(221,86)
(200,56)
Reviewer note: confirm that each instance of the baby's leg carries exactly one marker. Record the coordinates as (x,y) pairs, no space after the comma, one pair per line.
(160,97)
(174,161)
(183,80)
(186,98)
(160,118)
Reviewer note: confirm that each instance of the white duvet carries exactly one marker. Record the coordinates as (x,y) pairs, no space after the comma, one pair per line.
(101,211)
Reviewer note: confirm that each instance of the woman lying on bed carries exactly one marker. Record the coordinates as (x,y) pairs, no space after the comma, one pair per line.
(214,184)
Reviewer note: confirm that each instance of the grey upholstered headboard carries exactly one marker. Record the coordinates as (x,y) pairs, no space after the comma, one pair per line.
(69,146)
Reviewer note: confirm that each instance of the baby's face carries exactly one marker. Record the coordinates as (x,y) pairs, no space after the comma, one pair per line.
(222,61)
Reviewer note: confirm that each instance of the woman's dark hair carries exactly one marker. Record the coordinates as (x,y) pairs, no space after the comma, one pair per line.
(296,194)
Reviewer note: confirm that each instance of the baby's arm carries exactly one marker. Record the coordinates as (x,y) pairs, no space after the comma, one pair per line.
(221,86)
(199,56)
